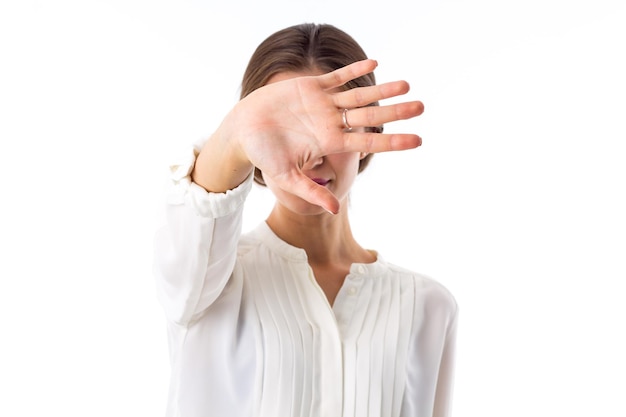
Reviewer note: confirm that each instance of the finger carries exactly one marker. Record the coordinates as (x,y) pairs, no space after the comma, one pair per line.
(362,96)
(378,115)
(300,185)
(342,75)
(371,142)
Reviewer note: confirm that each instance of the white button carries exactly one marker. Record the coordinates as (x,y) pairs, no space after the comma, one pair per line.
(352,291)
(361,269)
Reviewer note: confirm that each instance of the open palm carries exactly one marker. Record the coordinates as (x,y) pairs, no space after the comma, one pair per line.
(285,125)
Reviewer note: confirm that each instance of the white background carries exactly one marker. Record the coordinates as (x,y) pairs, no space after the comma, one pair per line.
(515,201)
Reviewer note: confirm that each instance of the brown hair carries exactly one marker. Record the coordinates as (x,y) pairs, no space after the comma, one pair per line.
(305,47)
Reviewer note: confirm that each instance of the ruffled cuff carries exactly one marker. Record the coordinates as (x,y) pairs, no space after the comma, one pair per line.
(206,204)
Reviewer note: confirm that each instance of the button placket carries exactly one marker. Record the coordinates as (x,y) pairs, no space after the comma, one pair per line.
(355,281)
(346,301)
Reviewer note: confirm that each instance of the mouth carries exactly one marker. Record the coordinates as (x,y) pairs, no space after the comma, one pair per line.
(321,181)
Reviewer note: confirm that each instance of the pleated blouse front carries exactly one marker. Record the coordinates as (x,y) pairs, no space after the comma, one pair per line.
(252,334)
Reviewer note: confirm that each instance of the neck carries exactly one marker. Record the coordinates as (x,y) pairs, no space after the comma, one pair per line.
(327,239)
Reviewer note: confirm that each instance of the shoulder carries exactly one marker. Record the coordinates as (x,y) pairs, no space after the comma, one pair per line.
(263,240)
(429,292)
(248,242)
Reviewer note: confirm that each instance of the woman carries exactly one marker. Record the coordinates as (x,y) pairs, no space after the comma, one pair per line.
(295,318)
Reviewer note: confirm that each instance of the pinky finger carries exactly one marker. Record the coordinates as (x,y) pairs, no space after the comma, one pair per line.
(342,75)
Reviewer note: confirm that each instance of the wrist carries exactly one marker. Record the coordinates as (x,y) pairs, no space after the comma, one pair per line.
(221,165)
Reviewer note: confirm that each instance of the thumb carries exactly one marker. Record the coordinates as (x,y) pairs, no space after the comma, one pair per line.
(307,189)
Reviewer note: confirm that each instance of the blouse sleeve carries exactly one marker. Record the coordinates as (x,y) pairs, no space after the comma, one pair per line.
(443,395)
(195,252)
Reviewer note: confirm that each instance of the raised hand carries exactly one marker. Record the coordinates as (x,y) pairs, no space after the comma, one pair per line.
(294,120)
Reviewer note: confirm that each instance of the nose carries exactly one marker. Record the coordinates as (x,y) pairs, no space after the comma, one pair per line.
(313,163)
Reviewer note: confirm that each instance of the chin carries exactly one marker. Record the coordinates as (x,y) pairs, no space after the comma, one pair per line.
(298,205)
(301,207)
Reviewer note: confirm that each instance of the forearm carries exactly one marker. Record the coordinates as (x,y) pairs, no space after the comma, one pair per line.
(221,165)
(196,248)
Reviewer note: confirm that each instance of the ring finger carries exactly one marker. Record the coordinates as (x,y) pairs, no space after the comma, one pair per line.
(362,96)
(378,115)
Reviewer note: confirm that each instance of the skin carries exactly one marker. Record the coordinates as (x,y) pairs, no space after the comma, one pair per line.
(292,129)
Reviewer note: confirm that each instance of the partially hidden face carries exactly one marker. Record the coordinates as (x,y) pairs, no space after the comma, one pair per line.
(337,172)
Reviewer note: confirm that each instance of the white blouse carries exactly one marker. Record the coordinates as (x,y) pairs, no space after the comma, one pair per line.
(252,334)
